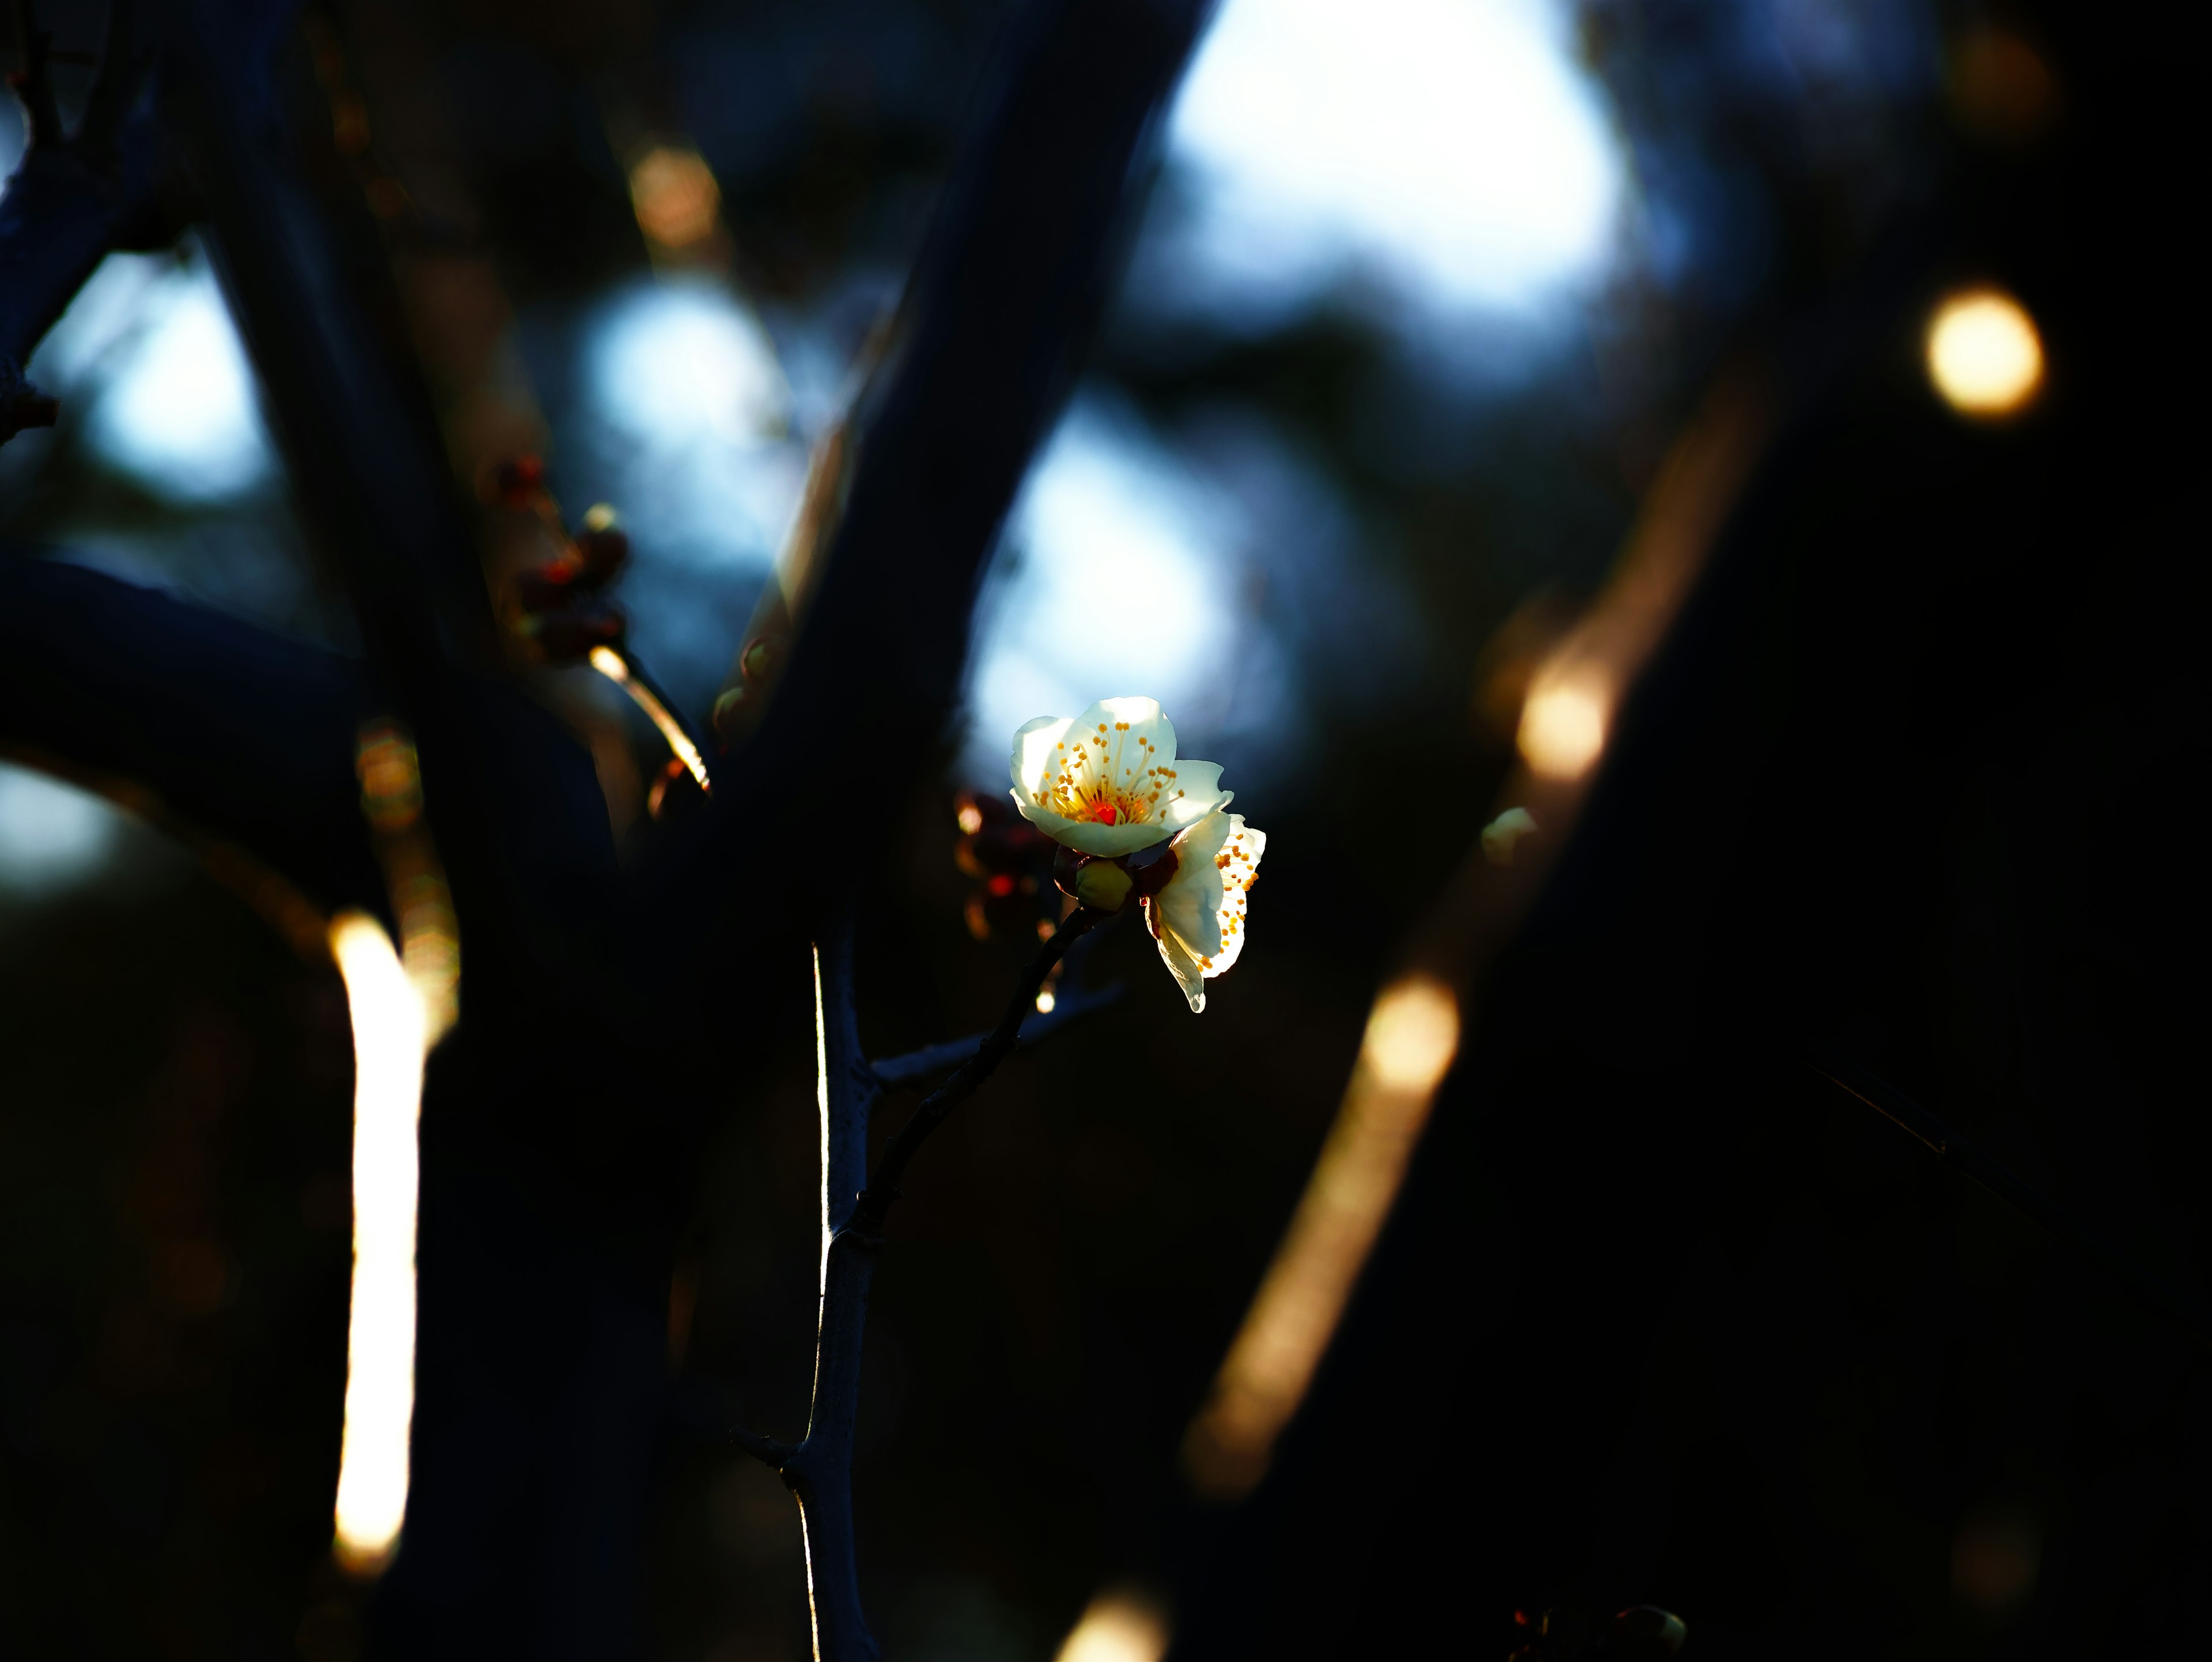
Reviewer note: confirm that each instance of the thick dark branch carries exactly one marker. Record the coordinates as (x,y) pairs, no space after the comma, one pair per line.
(311,283)
(2145,1287)
(1000,306)
(246,735)
(884,1182)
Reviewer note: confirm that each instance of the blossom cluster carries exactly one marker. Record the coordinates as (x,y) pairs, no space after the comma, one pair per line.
(1135,822)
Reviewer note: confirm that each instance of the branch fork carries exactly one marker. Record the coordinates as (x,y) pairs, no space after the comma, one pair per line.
(818,1470)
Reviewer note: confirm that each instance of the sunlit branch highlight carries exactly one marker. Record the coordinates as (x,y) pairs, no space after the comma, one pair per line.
(822,1107)
(389,1031)
(1413,1034)
(612,664)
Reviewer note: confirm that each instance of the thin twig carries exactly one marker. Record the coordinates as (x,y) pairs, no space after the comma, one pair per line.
(769,1452)
(1956,1152)
(819,1470)
(883,1184)
(1071,1004)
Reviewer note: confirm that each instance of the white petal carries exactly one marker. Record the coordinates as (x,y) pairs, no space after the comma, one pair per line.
(1190,906)
(1097,782)
(1194,791)
(1199,918)
(1035,756)
(1088,836)
(1189,974)
(1246,845)
(1135,719)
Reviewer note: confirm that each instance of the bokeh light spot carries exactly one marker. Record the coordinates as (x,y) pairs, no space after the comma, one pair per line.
(1453,147)
(52,835)
(675,197)
(1117,1627)
(1563,727)
(676,362)
(182,414)
(1983,353)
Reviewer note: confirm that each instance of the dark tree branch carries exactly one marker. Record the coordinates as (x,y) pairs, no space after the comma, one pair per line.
(2146,1288)
(819,1470)
(310,282)
(769,1452)
(999,307)
(245,734)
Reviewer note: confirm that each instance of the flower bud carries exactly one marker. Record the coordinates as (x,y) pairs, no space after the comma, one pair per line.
(1104,886)
(758,659)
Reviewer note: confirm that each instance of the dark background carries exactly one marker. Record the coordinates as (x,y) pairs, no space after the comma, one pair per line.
(1661,1316)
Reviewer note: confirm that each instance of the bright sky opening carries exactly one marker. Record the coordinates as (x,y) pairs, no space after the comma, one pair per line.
(1454,149)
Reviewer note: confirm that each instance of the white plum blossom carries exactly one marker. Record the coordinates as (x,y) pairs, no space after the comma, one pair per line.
(1106,786)
(1197,918)
(1107,782)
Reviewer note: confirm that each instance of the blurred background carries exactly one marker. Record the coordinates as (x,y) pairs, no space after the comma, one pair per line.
(1451,334)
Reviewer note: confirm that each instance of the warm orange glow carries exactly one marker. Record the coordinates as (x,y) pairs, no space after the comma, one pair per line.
(1562,724)
(971,818)
(675,197)
(608,663)
(1117,1627)
(389,1035)
(1413,1034)
(1983,353)
(391,777)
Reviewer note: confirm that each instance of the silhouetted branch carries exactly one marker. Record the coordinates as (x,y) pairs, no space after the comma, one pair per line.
(766,1450)
(819,1468)
(999,307)
(243,733)
(1962,1156)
